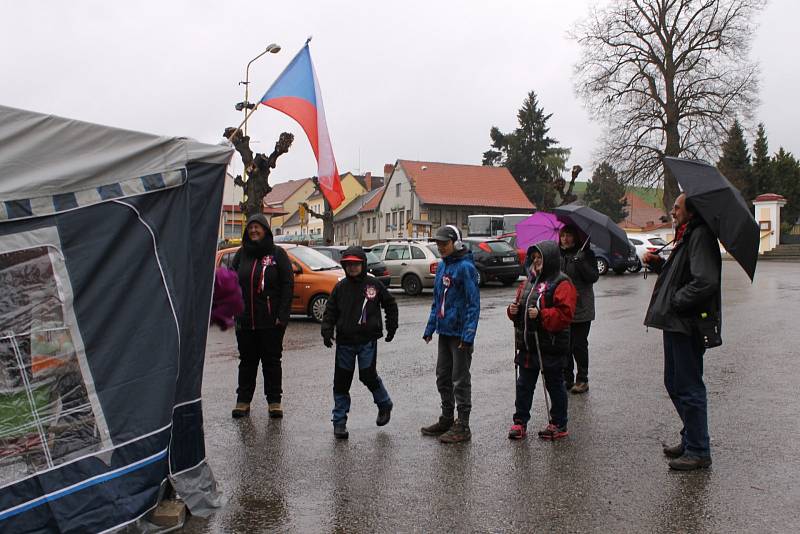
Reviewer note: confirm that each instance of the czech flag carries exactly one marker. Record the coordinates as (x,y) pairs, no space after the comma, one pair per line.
(296,93)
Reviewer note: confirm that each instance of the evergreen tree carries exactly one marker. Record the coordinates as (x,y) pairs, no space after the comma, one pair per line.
(532,157)
(762,166)
(605,193)
(734,162)
(786,170)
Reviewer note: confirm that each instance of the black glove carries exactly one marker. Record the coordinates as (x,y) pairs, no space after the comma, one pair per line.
(389,336)
(328,342)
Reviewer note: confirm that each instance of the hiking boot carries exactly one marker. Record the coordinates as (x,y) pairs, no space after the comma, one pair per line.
(340,430)
(275,410)
(553,432)
(579,387)
(676,451)
(438,428)
(384,414)
(689,462)
(517,431)
(458,432)
(242,409)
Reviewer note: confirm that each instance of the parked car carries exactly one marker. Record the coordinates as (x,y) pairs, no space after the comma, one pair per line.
(616,262)
(315,275)
(495,259)
(375,266)
(511,239)
(412,264)
(645,243)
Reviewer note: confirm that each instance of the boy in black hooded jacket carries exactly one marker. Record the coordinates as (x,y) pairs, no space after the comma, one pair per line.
(354,311)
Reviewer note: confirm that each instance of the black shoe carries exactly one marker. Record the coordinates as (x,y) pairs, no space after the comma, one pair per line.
(690,463)
(340,431)
(676,451)
(458,432)
(438,428)
(384,414)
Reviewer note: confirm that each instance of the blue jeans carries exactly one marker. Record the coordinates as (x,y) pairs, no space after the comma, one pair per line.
(683,378)
(553,381)
(366,356)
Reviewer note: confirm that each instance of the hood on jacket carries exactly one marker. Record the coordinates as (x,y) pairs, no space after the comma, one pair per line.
(359,253)
(260,247)
(551,258)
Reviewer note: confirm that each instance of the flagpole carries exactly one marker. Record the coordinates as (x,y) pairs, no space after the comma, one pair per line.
(238,128)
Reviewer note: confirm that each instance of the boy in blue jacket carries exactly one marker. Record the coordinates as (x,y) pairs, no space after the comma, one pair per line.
(454,316)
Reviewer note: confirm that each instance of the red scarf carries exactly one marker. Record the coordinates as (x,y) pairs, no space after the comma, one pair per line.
(680,231)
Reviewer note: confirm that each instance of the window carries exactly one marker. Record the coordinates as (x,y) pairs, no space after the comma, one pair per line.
(450,217)
(373,225)
(355,229)
(397,190)
(435,216)
(397,252)
(636,242)
(378,250)
(388,222)
(417,254)
(394,219)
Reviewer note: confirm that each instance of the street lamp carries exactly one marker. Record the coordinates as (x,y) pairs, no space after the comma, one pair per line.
(246,105)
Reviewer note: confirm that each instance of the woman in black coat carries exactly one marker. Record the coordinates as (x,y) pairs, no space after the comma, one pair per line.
(267,281)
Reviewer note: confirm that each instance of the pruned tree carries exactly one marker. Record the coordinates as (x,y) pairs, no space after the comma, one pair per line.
(606,194)
(257,169)
(734,162)
(326,216)
(786,169)
(533,159)
(666,77)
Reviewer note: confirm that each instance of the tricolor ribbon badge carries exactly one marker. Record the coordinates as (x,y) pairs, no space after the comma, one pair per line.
(369,294)
(541,288)
(446,282)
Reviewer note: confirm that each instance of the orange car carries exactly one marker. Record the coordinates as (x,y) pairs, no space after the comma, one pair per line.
(315,275)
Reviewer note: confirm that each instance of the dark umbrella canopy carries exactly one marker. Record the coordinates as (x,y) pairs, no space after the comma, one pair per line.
(602,231)
(721,206)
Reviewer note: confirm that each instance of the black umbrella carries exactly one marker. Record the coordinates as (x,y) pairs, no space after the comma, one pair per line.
(602,231)
(721,206)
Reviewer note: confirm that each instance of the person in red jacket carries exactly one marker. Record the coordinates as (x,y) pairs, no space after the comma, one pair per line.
(542,313)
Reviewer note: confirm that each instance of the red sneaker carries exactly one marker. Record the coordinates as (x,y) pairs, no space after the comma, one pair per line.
(553,432)
(517,431)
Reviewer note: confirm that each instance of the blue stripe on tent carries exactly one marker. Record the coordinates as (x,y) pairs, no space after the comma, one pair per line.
(107,192)
(65,201)
(153,181)
(18,208)
(78,487)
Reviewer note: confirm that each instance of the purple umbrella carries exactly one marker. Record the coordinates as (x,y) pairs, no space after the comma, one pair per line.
(541,226)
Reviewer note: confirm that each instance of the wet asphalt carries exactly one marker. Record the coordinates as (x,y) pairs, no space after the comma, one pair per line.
(291,475)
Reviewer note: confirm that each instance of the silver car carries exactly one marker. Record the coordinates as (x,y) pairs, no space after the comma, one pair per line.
(412,264)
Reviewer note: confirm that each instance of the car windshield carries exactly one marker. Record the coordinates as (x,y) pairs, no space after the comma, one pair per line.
(435,251)
(314,260)
(657,241)
(372,258)
(499,246)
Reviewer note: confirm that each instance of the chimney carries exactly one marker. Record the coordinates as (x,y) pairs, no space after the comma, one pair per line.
(387,171)
(368,181)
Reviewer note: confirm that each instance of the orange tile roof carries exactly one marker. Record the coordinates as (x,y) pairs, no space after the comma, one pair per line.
(373,203)
(280,192)
(639,213)
(465,185)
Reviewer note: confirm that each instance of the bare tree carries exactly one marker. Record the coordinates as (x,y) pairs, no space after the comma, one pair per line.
(666,77)
(326,215)
(257,168)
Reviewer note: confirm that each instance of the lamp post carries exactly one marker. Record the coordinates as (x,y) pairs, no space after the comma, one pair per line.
(246,105)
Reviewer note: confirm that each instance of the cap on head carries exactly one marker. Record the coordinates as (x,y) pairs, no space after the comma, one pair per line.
(446,233)
(354,259)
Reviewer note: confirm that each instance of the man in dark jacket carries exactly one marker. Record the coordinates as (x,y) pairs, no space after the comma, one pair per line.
(688,287)
(580,264)
(353,314)
(267,282)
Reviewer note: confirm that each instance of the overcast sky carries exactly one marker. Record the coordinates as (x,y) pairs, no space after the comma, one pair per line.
(412,80)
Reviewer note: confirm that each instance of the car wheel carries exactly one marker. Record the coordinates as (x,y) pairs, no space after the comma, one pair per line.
(635,268)
(602,266)
(482,278)
(508,280)
(316,308)
(412,285)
